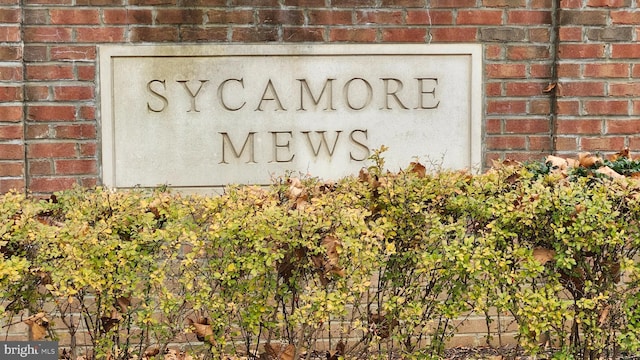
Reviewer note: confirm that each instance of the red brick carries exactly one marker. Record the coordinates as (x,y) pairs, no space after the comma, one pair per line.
(602,143)
(352,35)
(567,33)
(48,2)
(7,185)
(10,73)
(540,71)
(37,93)
(624,89)
(429,17)
(568,107)
(634,143)
(479,17)
(493,126)
(459,4)
(337,3)
(73,52)
(86,72)
(540,143)
(51,150)
(527,52)
(11,132)
(153,34)
(246,16)
(179,16)
(505,142)
(89,182)
(527,88)
(49,185)
(625,17)
(379,17)
(10,93)
(581,88)
(540,107)
(74,16)
(152,2)
(404,35)
(540,35)
(403,3)
(203,33)
(608,3)
(606,70)
(626,126)
(40,167)
(503,71)
(103,34)
(579,126)
(127,16)
(12,151)
(303,33)
(330,17)
(255,34)
(454,34)
(10,113)
(526,126)
(47,34)
(607,107)
(51,113)
(37,131)
(504,3)
(10,34)
(10,15)
(72,93)
(11,168)
(81,131)
(566,143)
(49,72)
(569,70)
(625,51)
(33,16)
(527,17)
(493,89)
(88,149)
(87,113)
(581,51)
(506,107)
(493,52)
(75,167)
(10,52)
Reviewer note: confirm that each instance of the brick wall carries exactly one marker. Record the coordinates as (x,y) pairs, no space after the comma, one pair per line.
(48,111)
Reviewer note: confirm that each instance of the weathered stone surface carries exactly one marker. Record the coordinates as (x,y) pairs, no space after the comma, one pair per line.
(205,116)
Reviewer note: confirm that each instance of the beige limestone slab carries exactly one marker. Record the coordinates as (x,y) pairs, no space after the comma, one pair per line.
(203,116)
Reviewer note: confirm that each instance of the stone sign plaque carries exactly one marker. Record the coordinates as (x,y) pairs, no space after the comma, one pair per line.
(191,116)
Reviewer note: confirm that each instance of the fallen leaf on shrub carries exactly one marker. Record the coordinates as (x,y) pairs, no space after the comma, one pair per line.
(624,154)
(203,330)
(543,255)
(604,315)
(556,163)
(333,245)
(339,351)
(278,352)
(605,170)
(381,325)
(123,303)
(589,160)
(418,169)
(151,351)
(38,324)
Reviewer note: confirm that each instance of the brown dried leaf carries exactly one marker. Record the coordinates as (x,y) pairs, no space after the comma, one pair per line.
(279,351)
(624,154)
(203,330)
(123,303)
(339,351)
(605,170)
(418,169)
(151,352)
(38,324)
(549,87)
(543,255)
(556,163)
(382,326)
(604,315)
(589,160)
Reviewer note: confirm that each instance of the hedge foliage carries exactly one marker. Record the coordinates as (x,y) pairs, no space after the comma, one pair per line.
(372,264)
